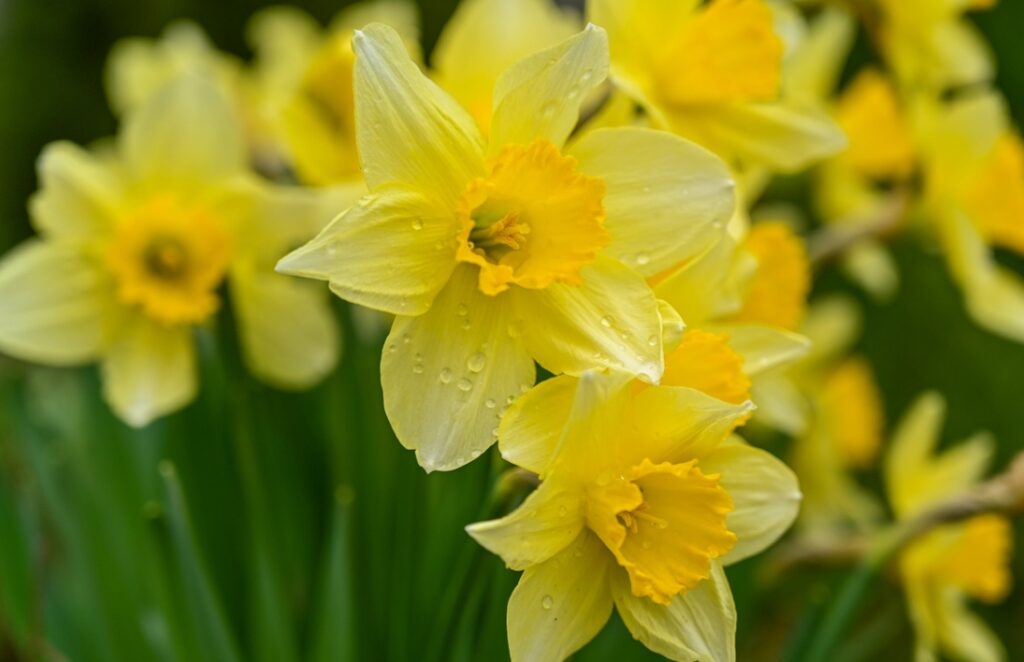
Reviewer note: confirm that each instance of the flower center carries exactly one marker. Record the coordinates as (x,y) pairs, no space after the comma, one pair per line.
(852,410)
(869,112)
(996,200)
(664,523)
(727,52)
(533,221)
(168,258)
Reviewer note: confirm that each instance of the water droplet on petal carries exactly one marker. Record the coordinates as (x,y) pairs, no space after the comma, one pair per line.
(417,224)
(607,321)
(643,259)
(490,403)
(476,362)
(465,385)
(547,602)
(463,310)
(418,368)
(652,341)
(446,376)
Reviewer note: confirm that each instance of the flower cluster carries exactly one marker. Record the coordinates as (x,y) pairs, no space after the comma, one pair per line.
(582,199)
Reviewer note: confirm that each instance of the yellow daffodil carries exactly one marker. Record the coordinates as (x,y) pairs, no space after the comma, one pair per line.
(136,244)
(742,303)
(644,497)
(974,194)
(495,254)
(302,84)
(955,563)
(712,72)
(486,37)
(929,44)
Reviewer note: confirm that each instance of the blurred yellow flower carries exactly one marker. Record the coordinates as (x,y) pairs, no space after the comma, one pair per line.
(301,84)
(136,244)
(973,163)
(496,254)
(954,563)
(486,37)
(643,499)
(712,72)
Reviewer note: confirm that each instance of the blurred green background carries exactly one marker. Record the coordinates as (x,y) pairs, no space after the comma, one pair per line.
(257,525)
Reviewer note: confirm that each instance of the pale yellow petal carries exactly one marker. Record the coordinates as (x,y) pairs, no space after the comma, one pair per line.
(57,305)
(870,264)
(963,635)
(698,626)
(485,37)
(393,251)
(667,200)
(540,97)
(913,442)
(765,347)
(785,137)
(186,132)
(402,15)
(79,195)
(532,426)
(676,424)
(448,373)
(547,522)
(764,491)
(959,138)
(708,287)
(288,334)
(780,404)
(408,130)
(561,604)
(149,371)
(812,71)
(611,320)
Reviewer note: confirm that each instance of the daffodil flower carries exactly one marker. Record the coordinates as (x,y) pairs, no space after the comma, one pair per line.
(495,254)
(301,85)
(742,302)
(643,498)
(486,37)
(136,244)
(974,195)
(712,72)
(955,563)
(929,43)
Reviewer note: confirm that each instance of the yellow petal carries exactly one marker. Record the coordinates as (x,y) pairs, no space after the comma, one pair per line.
(777,292)
(610,320)
(675,424)
(764,348)
(532,426)
(667,200)
(707,287)
(851,407)
(996,201)
(561,604)
(784,137)
(485,37)
(706,362)
(812,71)
(408,130)
(540,97)
(393,251)
(448,373)
(698,626)
(286,326)
(149,371)
(57,305)
(979,559)
(547,522)
(870,113)
(764,491)
(79,195)
(959,138)
(870,264)
(186,132)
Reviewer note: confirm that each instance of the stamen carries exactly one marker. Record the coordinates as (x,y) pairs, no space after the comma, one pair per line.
(509,232)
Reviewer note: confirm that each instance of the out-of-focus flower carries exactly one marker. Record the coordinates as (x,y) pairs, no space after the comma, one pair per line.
(742,303)
(486,37)
(493,255)
(929,44)
(973,162)
(643,499)
(712,72)
(135,245)
(302,84)
(954,563)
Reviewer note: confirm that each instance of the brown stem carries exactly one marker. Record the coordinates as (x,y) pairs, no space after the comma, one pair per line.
(834,239)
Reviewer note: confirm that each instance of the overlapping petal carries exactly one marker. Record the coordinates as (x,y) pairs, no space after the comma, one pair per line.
(561,604)
(79,197)
(448,373)
(532,426)
(667,200)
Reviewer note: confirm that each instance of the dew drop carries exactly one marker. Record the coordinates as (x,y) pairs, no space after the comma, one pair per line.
(547,602)
(476,362)
(547,111)
(465,326)
(418,368)
(490,403)
(509,400)
(562,511)
(406,339)
(463,310)
(446,376)
(643,259)
(586,75)
(607,321)
(523,388)
(494,432)
(465,385)
(332,249)
(417,224)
